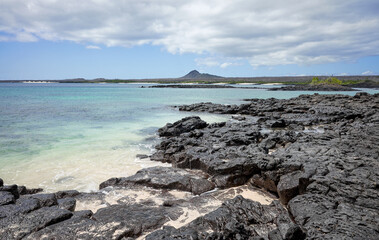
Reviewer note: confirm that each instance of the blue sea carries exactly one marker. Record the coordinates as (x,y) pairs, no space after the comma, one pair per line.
(62,136)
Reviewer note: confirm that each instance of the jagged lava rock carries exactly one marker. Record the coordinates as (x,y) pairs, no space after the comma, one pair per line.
(184,125)
(322,162)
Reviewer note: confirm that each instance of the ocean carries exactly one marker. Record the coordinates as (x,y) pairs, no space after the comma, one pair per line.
(61,136)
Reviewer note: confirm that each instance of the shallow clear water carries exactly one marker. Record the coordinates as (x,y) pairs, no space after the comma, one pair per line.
(74,136)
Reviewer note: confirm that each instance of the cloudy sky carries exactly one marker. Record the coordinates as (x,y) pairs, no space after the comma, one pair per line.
(52,39)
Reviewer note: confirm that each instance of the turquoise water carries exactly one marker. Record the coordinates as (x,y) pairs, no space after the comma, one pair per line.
(74,136)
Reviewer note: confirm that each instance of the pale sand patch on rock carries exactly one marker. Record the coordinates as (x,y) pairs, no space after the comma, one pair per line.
(181,194)
(191,206)
(92,205)
(216,198)
(132,195)
(188,216)
(248,193)
(256,195)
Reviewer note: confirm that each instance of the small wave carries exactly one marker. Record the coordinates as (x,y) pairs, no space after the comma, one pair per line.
(64,179)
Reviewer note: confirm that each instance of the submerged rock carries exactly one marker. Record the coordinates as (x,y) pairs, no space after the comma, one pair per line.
(142,156)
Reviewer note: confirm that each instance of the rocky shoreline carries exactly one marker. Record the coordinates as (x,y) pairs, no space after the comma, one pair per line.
(301,87)
(315,157)
(309,87)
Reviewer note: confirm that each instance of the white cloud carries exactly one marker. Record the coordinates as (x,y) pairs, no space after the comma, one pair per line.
(208,62)
(19,36)
(93,47)
(368,73)
(263,32)
(226,64)
(218,62)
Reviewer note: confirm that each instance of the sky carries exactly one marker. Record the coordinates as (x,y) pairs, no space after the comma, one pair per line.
(134,39)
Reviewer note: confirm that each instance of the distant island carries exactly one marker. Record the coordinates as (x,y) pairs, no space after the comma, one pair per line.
(194,76)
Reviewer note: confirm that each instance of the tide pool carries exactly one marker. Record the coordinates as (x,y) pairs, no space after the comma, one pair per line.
(74,136)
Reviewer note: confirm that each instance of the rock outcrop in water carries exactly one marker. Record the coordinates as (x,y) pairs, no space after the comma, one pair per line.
(318,154)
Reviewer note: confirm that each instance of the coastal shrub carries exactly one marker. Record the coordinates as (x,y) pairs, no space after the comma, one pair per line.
(328,81)
(315,81)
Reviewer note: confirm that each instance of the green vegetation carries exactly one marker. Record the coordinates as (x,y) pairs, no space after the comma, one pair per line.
(328,81)
(348,82)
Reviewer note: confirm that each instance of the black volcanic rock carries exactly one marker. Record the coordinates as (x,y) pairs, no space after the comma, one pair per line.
(67,203)
(322,161)
(194,74)
(66,194)
(45,199)
(23,190)
(13,189)
(288,186)
(184,125)
(19,226)
(6,198)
